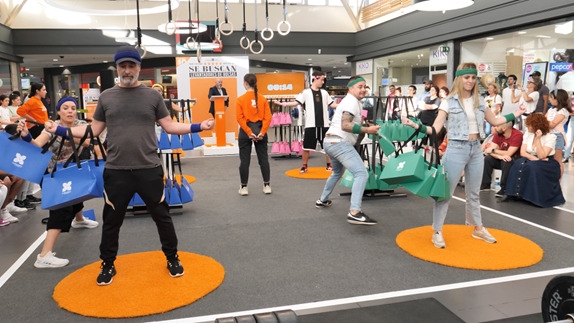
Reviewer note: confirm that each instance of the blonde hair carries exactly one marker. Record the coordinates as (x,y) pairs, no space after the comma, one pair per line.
(458,86)
(158,85)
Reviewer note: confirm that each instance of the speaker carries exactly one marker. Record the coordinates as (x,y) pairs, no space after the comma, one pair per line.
(106,80)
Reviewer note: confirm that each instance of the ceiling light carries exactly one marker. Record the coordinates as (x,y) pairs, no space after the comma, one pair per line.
(521,32)
(489,38)
(182,27)
(543,36)
(564,29)
(98,12)
(441,5)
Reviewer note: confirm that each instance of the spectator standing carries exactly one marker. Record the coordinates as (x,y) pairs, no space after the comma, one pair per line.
(512,90)
(543,92)
(34,109)
(558,115)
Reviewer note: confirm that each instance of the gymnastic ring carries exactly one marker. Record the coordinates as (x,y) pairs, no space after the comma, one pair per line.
(187,43)
(226,33)
(199,54)
(283,22)
(168,30)
(270,34)
(145,50)
(251,46)
(244,38)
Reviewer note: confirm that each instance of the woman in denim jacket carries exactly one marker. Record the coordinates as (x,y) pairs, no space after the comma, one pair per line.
(466,113)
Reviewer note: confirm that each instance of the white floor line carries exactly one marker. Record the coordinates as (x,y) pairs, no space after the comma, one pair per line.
(18,263)
(300,309)
(307,307)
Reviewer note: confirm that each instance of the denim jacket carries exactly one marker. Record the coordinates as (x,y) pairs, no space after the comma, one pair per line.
(457,127)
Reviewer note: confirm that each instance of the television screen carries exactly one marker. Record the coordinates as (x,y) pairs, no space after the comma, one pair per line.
(166,79)
(25,84)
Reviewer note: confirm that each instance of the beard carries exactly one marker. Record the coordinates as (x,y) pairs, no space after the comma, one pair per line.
(128,80)
(500,133)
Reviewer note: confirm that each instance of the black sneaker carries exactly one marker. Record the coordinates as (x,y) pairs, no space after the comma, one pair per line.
(321,204)
(32,199)
(106,274)
(25,204)
(500,193)
(360,218)
(175,268)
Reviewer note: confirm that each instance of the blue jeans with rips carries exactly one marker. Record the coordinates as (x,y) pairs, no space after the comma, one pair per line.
(344,156)
(462,155)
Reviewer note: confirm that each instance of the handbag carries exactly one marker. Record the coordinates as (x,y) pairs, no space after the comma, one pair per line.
(96,164)
(404,167)
(163,143)
(185,191)
(23,159)
(69,185)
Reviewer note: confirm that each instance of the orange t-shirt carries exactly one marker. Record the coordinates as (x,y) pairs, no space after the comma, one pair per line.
(246,111)
(35,109)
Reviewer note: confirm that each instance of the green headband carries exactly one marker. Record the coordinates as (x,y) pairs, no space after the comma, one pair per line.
(355,81)
(467,71)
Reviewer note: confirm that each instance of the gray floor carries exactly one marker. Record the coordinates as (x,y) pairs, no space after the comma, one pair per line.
(279,251)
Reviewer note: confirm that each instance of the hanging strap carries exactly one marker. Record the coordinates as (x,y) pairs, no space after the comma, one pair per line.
(255,34)
(226,21)
(244,41)
(284,22)
(267,29)
(139,30)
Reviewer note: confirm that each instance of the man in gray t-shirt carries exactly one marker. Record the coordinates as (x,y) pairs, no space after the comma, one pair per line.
(130,111)
(543,93)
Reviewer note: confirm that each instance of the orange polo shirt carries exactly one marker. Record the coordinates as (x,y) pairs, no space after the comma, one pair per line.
(246,111)
(35,109)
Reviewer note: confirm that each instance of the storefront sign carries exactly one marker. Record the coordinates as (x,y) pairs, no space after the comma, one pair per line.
(438,58)
(365,67)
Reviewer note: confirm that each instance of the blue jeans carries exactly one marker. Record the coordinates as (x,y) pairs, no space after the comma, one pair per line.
(344,155)
(462,156)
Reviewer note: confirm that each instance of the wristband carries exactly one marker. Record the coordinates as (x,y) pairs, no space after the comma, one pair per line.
(195,127)
(423,128)
(27,138)
(509,117)
(357,128)
(61,131)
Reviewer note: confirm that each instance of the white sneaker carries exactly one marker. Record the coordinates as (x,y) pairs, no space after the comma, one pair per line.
(267,189)
(243,191)
(6,216)
(50,261)
(14,209)
(438,240)
(483,235)
(86,224)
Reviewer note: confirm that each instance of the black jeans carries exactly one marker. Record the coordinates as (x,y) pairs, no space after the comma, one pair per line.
(245,145)
(491,163)
(119,187)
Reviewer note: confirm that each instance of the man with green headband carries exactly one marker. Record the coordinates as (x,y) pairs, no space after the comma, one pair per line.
(339,144)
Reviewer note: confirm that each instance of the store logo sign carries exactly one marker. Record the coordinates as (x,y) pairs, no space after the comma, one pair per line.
(560,67)
(365,67)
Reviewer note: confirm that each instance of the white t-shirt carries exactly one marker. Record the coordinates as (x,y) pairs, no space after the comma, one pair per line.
(354,107)
(508,106)
(492,101)
(548,140)
(530,106)
(552,113)
(468,105)
(4,116)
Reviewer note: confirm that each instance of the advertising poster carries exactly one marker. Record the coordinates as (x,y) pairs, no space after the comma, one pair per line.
(195,78)
(530,68)
(560,72)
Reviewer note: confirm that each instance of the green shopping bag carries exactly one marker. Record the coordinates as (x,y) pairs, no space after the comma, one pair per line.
(386,144)
(440,189)
(381,185)
(347,179)
(404,168)
(372,181)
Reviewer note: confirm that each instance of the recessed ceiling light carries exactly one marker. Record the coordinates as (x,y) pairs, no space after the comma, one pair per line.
(543,36)
(309,59)
(489,38)
(521,32)
(104,62)
(264,59)
(54,59)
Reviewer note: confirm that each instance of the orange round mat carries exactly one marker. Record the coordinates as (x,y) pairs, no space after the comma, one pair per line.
(142,286)
(463,251)
(312,173)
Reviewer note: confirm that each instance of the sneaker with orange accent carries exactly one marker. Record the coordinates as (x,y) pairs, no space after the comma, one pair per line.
(303,170)
(329,168)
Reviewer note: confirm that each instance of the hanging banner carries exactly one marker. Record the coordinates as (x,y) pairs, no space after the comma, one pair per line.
(195,78)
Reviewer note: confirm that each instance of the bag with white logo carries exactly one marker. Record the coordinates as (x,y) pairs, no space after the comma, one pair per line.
(23,159)
(69,184)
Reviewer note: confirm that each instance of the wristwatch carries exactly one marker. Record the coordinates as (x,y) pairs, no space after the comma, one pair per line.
(492,151)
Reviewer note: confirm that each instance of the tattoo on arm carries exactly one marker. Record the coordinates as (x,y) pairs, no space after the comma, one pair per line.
(347,122)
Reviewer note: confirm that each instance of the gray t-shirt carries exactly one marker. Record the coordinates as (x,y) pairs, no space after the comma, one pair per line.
(130,115)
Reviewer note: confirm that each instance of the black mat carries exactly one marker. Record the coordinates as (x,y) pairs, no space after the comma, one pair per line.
(411,311)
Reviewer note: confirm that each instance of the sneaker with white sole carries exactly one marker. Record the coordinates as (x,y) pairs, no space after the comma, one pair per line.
(50,261)
(438,240)
(267,189)
(3,223)
(360,218)
(321,204)
(175,268)
(483,235)
(86,224)
(15,209)
(243,191)
(6,216)
(107,274)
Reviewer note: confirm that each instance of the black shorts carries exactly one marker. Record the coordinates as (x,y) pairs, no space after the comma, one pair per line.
(62,218)
(312,135)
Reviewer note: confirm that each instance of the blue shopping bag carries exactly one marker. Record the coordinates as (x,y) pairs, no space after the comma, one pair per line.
(67,186)
(186,192)
(186,143)
(23,159)
(163,143)
(175,142)
(196,140)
